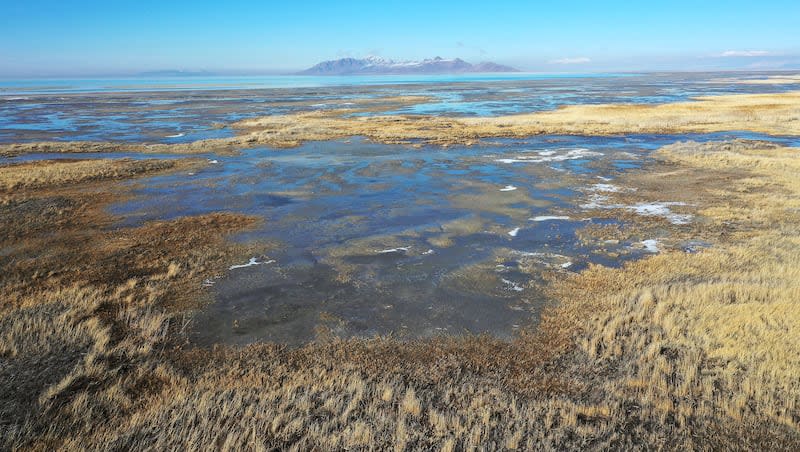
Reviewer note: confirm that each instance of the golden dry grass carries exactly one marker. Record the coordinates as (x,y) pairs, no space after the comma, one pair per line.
(765,113)
(712,335)
(769,80)
(676,351)
(777,114)
(54,173)
(79,300)
(218,146)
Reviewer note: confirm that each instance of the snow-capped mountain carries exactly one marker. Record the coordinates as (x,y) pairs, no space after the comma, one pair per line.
(376,65)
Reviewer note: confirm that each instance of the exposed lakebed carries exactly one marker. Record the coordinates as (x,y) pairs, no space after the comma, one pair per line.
(183,110)
(365,239)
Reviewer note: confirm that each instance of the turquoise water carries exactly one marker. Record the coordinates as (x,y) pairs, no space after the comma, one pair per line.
(101,85)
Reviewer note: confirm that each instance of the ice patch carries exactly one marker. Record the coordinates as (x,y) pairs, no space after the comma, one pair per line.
(678,218)
(514,232)
(651,246)
(652,209)
(662,209)
(213,162)
(253,261)
(548,218)
(428,252)
(599,202)
(547,259)
(512,285)
(572,154)
(508,188)
(605,187)
(528,253)
(177,135)
(394,250)
(647,209)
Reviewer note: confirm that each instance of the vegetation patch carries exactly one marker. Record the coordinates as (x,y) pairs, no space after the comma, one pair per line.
(776,114)
(679,350)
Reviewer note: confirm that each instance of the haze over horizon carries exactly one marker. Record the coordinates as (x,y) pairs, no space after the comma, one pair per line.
(42,38)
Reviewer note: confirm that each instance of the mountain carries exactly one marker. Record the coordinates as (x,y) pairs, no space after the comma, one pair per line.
(380,66)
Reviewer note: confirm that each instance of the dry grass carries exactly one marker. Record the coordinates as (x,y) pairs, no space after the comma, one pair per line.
(777,114)
(711,336)
(220,146)
(55,173)
(769,80)
(79,302)
(766,113)
(677,351)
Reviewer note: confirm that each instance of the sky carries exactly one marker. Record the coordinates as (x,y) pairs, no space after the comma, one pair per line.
(40,38)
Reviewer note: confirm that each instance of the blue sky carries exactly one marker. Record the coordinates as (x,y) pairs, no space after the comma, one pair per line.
(61,38)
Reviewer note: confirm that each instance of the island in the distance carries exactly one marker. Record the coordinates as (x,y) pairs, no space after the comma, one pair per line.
(381,66)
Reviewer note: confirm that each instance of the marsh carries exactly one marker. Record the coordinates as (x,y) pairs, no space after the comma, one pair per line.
(357,260)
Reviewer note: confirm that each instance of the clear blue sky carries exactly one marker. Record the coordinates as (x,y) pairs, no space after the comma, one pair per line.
(62,37)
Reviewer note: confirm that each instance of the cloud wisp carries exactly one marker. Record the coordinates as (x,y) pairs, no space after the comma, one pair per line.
(576,60)
(745,53)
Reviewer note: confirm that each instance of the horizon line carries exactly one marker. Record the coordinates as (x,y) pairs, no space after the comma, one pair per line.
(295,73)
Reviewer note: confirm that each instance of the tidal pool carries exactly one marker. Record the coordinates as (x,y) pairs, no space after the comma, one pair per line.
(364,239)
(369,239)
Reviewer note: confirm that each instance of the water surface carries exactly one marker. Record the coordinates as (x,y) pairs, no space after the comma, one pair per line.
(364,239)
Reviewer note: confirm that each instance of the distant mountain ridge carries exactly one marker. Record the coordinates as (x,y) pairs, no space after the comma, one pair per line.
(381,66)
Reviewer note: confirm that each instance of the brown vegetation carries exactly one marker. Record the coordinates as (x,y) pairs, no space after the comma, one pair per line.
(789,79)
(679,350)
(219,146)
(79,301)
(766,113)
(55,173)
(777,114)
(676,351)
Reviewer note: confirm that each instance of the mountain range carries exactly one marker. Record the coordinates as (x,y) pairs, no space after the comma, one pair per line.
(381,66)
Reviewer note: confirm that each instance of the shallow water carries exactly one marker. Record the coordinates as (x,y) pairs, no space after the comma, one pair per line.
(366,239)
(369,239)
(189,109)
